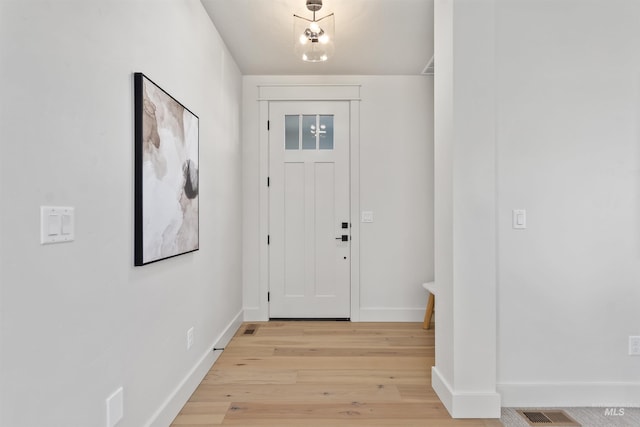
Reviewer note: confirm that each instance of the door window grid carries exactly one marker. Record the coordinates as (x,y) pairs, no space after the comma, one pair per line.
(311,132)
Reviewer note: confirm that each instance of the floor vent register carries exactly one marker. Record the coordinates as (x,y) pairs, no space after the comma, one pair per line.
(250,329)
(548,418)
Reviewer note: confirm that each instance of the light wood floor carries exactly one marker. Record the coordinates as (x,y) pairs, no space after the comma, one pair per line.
(322,374)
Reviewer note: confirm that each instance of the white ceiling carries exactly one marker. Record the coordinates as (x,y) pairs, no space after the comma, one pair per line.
(373,37)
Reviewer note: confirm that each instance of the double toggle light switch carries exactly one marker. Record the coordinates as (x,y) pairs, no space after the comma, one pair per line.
(57,224)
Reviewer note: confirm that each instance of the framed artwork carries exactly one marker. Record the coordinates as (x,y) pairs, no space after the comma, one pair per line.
(166,175)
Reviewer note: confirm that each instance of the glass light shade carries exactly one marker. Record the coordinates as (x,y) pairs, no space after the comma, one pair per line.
(314,40)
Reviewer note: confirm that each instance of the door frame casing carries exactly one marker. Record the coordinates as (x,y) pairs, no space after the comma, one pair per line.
(347,93)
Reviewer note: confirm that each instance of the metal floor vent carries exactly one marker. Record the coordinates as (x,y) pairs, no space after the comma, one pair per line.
(548,418)
(250,329)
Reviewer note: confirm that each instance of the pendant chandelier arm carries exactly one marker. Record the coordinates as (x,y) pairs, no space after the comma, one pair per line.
(324,17)
(302,17)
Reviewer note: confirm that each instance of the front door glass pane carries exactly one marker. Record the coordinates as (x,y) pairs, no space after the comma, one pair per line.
(292,132)
(325,133)
(309,132)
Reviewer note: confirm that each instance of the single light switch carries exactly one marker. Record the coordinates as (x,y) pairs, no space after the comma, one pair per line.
(519,219)
(67,224)
(54,224)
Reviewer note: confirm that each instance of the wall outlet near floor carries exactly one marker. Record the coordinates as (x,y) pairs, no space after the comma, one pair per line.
(190,338)
(115,408)
(634,345)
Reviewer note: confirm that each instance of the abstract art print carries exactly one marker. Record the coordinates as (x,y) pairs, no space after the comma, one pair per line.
(166,175)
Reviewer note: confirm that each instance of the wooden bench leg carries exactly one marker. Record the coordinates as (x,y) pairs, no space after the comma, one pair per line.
(429,313)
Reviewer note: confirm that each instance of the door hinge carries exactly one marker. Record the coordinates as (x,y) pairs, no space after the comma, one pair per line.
(268,125)
(268,296)
(268,182)
(268,239)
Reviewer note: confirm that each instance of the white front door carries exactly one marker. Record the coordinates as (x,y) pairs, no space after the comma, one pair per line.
(309,230)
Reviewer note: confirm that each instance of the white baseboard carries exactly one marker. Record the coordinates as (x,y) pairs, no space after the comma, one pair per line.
(229,331)
(255,314)
(465,404)
(378,314)
(180,395)
(570,394)
(442,388)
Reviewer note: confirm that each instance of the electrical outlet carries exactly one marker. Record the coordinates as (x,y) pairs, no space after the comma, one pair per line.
(190,338)
(634,346)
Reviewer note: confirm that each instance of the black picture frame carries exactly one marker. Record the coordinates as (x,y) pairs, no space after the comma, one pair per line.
(166,184)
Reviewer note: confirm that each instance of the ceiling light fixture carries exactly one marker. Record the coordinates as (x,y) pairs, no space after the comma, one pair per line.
(313,39)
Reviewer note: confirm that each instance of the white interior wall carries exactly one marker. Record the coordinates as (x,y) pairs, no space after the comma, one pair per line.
(396,183)
(77,319)
(564,112)
(568,134)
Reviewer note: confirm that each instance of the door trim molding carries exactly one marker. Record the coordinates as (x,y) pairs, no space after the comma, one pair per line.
(314,92)
(351,94)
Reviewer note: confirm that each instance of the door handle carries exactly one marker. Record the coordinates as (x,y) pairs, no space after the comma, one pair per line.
(344,238)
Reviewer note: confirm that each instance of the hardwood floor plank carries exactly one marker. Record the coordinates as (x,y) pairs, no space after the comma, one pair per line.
(340,341)
(344,362)
(417,393)
(351,352)
(250,351)
(309,393)
(251,376)
(336,411)
(421,376)
(201,414)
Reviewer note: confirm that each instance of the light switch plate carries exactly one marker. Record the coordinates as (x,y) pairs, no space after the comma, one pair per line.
(634,345)
(57,224)
(367,216)
(519,219)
